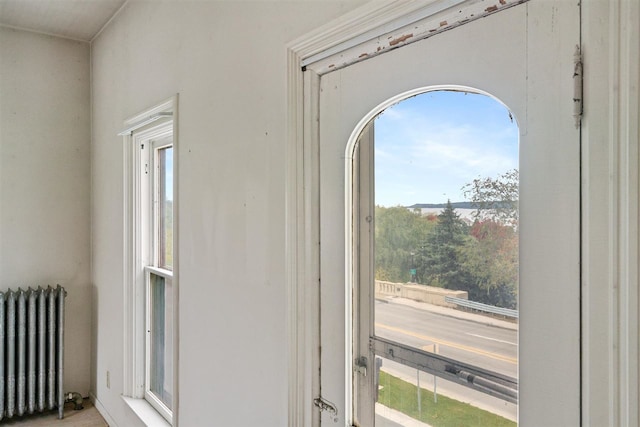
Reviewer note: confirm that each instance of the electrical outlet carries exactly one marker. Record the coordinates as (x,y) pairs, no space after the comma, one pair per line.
(108,379)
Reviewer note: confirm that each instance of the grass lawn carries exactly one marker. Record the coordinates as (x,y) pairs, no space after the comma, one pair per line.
(402,396)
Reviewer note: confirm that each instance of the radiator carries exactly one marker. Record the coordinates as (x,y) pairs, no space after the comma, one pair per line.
(31,351)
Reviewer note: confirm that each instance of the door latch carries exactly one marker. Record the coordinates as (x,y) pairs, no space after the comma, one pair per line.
(361,365)
(325,405)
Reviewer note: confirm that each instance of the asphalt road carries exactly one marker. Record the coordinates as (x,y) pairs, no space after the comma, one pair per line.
(471,342)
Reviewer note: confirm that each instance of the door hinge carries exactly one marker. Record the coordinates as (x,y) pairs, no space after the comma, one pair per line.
(325,405)
(577,87)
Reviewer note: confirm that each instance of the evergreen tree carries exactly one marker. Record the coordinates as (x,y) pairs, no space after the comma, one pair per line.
(441,257)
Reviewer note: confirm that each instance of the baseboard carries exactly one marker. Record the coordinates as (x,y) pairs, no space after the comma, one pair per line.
(102,410)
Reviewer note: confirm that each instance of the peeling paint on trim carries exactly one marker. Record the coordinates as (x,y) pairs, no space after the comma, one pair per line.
(402,36)
(400,39)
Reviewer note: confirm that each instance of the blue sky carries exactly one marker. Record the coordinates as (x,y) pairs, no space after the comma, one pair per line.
(429,146)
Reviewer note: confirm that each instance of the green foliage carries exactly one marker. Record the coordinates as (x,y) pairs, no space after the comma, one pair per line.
(402,396)
(167,225)
(399,232)
(441,255)
(491,260)
(481,259)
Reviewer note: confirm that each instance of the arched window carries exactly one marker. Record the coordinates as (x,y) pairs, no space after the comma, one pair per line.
(436,267)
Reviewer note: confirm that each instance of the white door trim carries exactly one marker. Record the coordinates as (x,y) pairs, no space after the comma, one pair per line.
(609,208)
(610,213)
(365,27)
(379,27)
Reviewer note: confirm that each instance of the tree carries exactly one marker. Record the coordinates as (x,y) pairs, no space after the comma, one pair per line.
(492,256)
(495,199)
(440,257)
(491,260)
(398,234)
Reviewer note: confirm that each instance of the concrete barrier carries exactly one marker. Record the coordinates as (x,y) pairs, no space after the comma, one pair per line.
(421,293)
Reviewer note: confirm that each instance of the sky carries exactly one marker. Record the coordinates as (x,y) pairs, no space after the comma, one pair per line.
(429,146)
(170,174)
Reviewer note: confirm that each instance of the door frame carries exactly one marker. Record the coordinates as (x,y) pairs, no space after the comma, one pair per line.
(610,202)
(367,31)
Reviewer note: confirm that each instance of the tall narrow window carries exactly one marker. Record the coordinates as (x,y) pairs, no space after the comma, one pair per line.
(151,264)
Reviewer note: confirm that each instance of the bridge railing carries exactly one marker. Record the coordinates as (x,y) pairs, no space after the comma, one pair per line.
(507,312)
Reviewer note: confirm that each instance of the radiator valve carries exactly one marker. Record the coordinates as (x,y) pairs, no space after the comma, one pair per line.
(76,398)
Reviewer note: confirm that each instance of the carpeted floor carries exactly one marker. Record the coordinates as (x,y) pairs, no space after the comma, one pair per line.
(87,417)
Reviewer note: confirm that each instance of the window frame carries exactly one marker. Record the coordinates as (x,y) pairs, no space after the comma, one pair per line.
(156,144)
(149,395)
(159,124)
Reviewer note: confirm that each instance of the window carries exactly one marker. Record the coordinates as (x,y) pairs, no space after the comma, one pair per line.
(157,167)
(151,283)
(438,269)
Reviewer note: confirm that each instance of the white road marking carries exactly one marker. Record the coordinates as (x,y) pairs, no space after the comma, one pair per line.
(492,339)
(497,356)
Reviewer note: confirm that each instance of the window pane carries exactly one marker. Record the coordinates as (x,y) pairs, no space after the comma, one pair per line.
(406,394)
(165,208)
(446,248)
(161,331)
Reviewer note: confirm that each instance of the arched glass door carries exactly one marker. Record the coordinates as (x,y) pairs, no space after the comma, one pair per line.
(522,56)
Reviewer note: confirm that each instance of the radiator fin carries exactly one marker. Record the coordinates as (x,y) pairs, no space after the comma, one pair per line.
(31,351)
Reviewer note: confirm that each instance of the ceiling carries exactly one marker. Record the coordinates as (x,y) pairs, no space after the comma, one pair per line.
(73,19)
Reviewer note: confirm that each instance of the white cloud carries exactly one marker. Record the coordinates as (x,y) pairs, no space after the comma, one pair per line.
(421,161)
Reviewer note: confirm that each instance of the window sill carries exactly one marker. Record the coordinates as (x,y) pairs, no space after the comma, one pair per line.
(147,414)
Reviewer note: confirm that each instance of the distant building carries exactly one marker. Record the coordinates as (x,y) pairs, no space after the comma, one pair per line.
(464,209)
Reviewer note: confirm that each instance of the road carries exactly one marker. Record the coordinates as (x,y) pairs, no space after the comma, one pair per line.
(471,342)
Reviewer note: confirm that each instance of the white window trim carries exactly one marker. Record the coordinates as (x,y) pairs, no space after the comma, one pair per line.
(144,126)
(145,412)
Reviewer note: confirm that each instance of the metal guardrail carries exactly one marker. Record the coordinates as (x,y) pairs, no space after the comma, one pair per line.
(507,312)
(480,379)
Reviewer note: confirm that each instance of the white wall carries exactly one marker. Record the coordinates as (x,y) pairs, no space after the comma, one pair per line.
(227,60)
(45,179)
